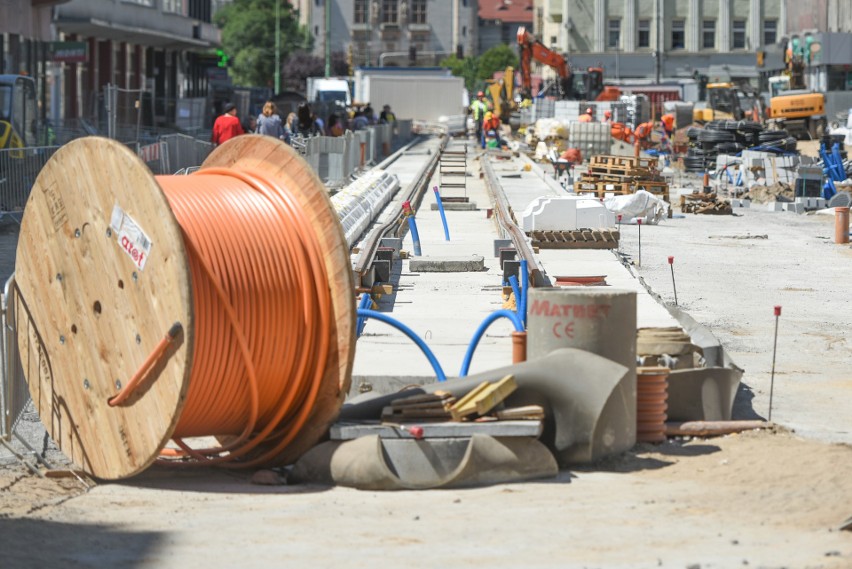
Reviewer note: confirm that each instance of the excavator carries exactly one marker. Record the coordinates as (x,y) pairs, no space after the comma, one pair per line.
(572,85)
(502,95)
(802,111)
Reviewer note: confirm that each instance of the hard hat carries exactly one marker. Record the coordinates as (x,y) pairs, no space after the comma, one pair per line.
(488,115)
(589,110)
(480,94)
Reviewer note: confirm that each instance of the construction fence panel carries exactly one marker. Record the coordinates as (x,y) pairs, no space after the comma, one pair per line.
(14,393)
(19,168)
(184,151)
(351,152)
(403,129)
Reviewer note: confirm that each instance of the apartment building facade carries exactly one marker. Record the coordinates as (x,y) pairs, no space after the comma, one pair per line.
(664,38)
(394,32)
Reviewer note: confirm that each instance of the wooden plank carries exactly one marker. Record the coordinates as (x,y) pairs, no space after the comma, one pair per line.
(495,394)
(527,412)
(464,401)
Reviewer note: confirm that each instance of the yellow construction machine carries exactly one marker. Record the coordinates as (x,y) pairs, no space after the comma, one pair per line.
(502,94)
(18,111)
(801,111)
(727,101)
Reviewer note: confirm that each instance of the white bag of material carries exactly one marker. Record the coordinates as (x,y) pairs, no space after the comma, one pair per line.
(550,128)
(641,204)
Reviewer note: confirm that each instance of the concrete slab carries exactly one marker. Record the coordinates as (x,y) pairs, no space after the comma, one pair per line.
(456,206)
(348,431)
(473,263)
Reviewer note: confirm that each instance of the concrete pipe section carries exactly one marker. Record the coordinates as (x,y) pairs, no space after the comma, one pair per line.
(601,321)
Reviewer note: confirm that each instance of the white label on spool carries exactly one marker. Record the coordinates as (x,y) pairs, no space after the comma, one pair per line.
(130,237)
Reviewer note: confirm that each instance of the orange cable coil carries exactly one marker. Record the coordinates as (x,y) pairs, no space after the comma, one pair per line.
(263,314)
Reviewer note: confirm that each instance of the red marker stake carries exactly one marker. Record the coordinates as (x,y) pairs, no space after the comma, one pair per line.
(774,346)
(639,221)
(618,246)
(674,287)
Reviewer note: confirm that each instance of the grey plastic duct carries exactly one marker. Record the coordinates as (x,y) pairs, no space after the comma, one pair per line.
(580,392)
(373,463)
(598,320)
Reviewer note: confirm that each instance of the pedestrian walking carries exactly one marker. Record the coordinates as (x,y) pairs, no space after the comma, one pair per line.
(227,125)
(269,122)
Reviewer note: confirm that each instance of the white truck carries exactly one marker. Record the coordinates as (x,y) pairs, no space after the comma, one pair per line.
(329,90)
(413,93)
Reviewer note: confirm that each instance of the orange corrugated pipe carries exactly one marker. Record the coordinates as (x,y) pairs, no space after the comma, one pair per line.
(263,314)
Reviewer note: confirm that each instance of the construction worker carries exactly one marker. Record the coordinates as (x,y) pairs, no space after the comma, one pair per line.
(587,116)
(491,122)
(668,120)
(478,108)
(607,117)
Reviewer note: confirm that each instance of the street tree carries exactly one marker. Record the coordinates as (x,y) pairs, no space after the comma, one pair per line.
(248,37)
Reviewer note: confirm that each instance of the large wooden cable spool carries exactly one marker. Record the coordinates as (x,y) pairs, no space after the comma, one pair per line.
(94,301)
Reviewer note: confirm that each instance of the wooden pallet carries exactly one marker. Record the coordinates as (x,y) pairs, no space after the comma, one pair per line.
(602,187)
(625,171)
(576,239)
(627,162)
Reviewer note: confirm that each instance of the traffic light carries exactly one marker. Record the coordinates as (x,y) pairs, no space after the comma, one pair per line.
(223,58)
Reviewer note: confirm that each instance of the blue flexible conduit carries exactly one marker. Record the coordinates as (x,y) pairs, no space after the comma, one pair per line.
(415,236)
(443,215)
(365,302)
(513,280)
(516,321)
(367,313)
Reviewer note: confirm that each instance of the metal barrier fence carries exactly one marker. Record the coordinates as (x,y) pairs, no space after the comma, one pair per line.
(18,171)
(14,394)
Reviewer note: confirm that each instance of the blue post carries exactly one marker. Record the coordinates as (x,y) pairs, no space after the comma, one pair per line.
(477,336)
(443,216)
(367,313)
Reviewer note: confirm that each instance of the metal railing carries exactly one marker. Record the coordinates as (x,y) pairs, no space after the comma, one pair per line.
(14,394)
(19,168)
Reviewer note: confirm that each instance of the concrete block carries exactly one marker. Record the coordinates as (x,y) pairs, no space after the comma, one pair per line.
(740,203)
(811,203)
(394,243)
(501,244)
(349,431)
(794,207)
(566,213)
(466,264)
(456,206)
(775,206)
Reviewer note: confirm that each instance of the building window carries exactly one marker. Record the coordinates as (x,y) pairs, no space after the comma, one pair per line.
(644,33)
(389,12)
(739,34)
(418,11)
(678,34)
(770,32)
(708,34)
(173,6)
(362,8)
(614,34)
(464,31)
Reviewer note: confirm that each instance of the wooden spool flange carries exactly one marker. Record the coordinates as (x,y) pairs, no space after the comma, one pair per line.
(89,312)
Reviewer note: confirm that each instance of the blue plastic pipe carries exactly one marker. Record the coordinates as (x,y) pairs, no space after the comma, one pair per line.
(513,280)
(443,215)
(365,302)
(415,236)
(525,283)
(382,317)
(477,336)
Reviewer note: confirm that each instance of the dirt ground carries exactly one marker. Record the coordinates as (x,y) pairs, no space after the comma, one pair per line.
(766,499)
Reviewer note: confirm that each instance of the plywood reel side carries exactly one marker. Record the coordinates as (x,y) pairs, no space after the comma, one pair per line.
(103,275)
